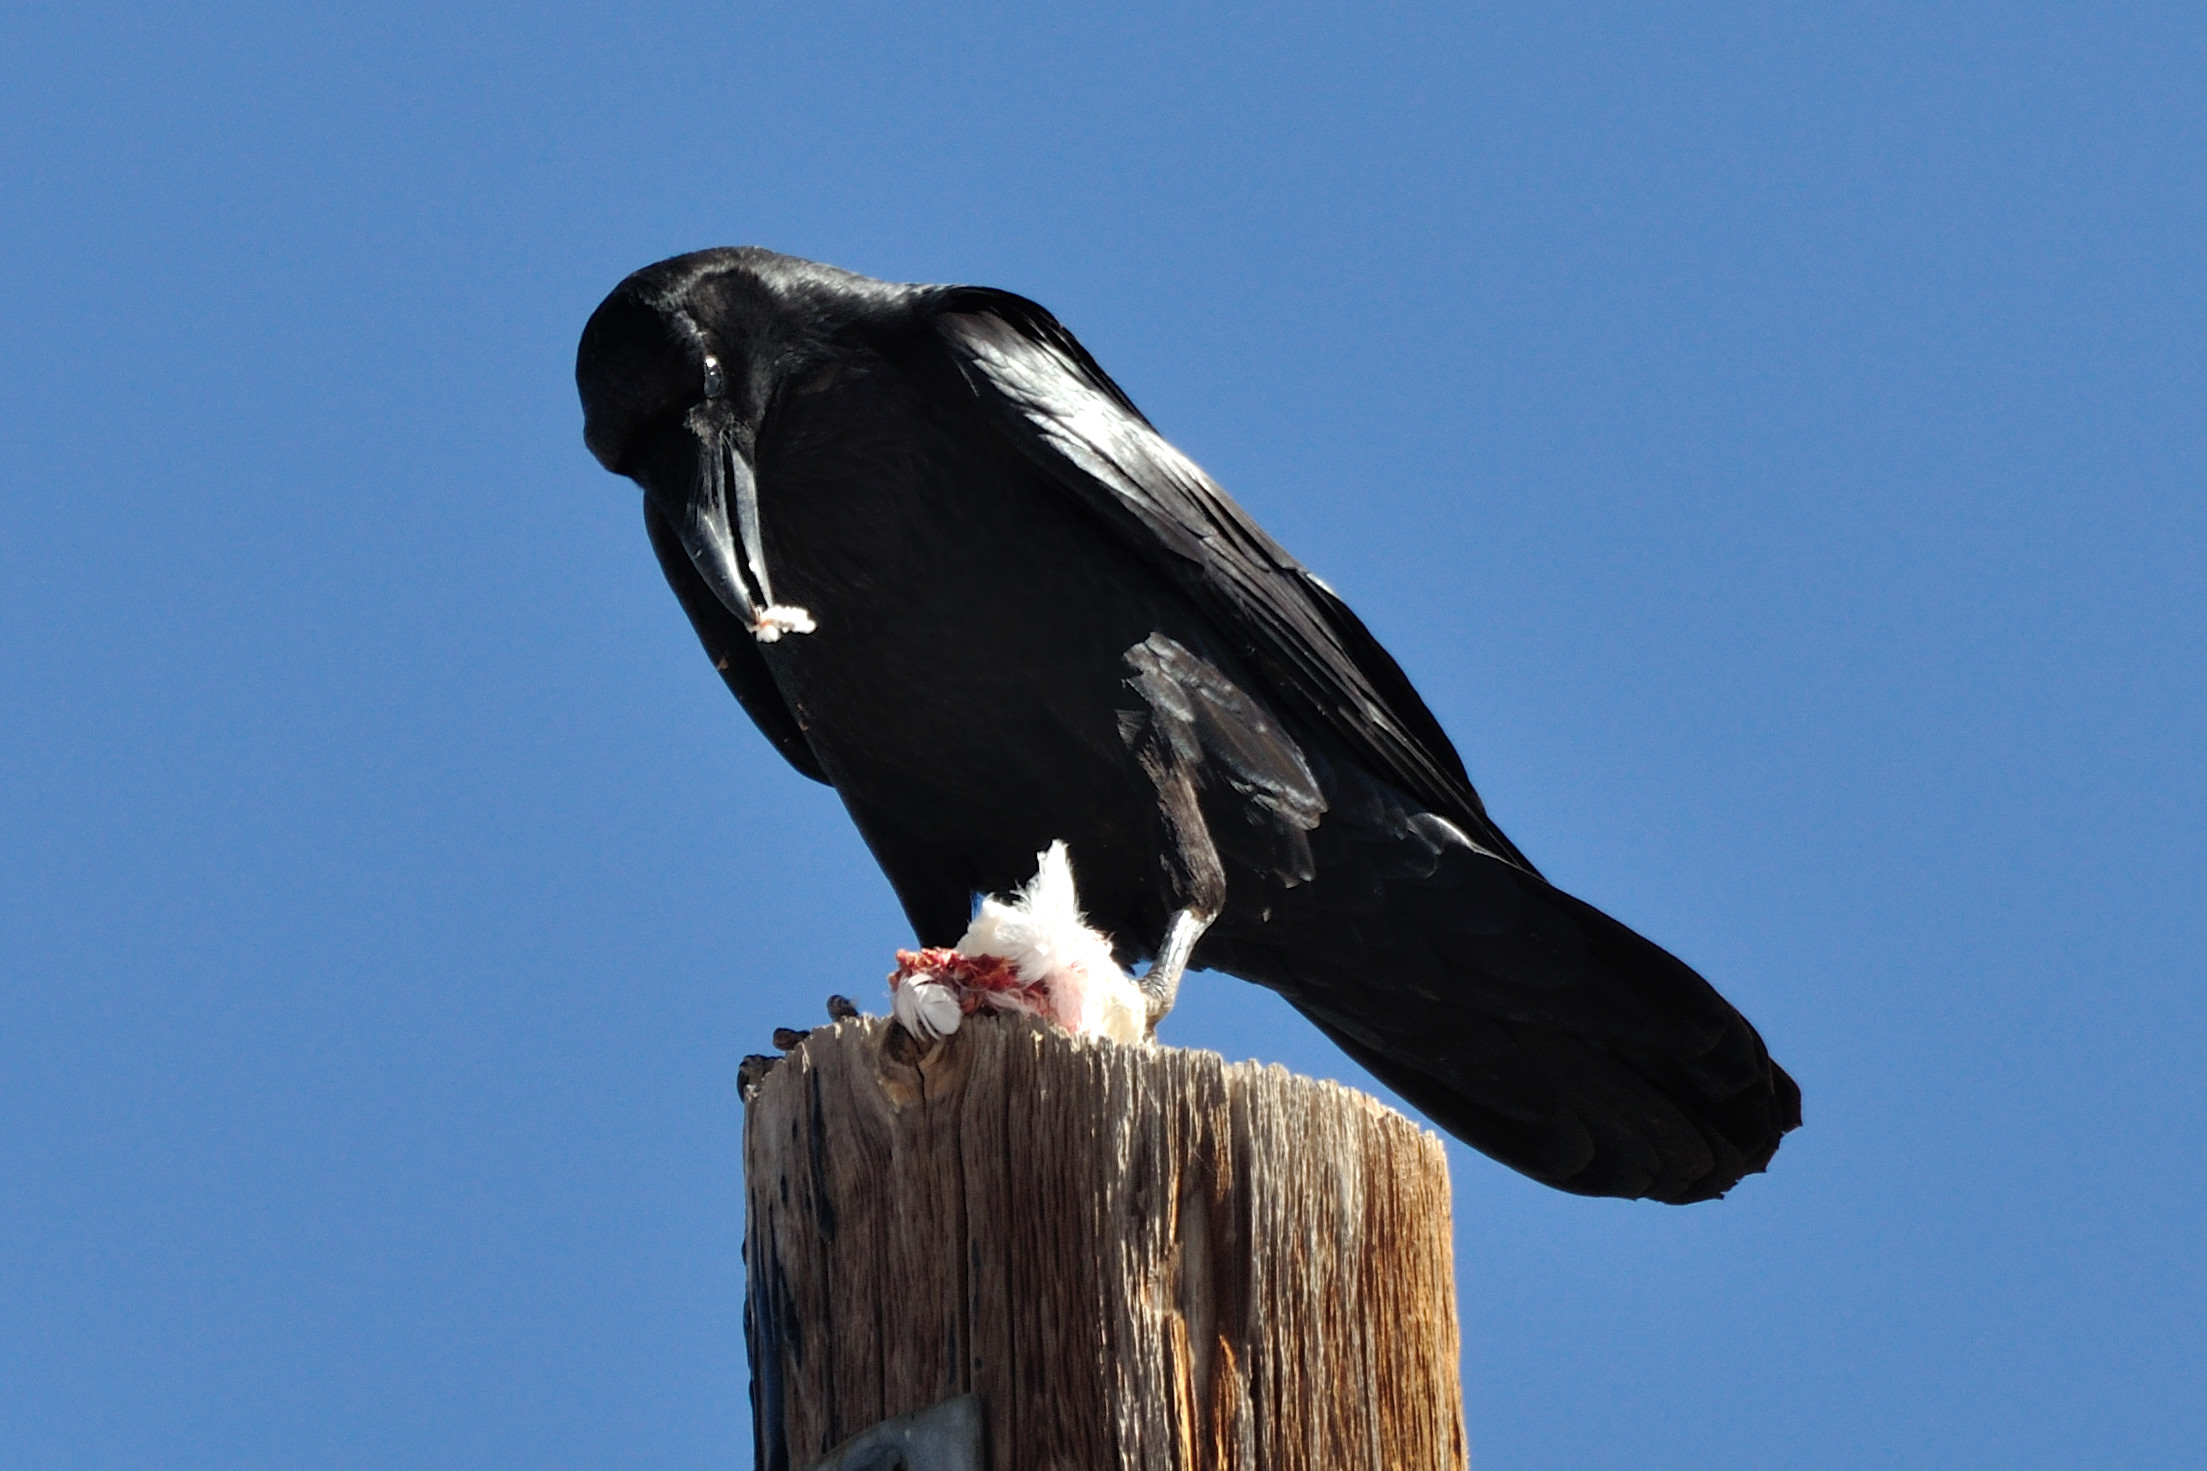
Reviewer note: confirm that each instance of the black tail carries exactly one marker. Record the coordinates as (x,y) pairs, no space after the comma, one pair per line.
(1526,1023)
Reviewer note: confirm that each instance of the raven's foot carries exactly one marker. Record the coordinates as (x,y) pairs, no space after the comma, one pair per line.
(840,1009)
(1161,983)
(752,1070)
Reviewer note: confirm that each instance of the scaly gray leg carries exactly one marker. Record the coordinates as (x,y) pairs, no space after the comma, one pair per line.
(1162,983)
(1163,739)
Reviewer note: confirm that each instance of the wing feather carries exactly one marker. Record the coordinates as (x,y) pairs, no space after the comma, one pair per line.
(1050,397)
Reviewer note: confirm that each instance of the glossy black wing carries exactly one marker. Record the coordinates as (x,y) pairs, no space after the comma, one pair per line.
(731,648)
(1050,396)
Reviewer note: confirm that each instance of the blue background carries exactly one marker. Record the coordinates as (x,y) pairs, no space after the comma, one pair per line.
(1771,436)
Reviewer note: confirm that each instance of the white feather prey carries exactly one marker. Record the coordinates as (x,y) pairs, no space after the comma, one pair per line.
(1064,968)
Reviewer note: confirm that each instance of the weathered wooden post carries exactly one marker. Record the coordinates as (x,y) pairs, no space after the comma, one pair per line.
(1133,1256)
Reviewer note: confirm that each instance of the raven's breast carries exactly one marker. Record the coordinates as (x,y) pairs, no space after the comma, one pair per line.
(965,681)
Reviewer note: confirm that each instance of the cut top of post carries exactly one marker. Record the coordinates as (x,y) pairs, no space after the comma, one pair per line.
(1137,1256)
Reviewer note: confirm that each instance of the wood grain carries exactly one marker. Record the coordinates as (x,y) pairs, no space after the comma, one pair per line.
(1138,1256)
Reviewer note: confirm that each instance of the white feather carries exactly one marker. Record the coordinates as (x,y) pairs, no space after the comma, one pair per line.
(777,619)
(1041,931)
(926,1009)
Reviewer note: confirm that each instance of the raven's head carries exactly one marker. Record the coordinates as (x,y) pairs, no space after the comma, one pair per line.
(677,369)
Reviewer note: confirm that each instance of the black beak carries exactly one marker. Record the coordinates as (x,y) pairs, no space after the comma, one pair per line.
(701,519)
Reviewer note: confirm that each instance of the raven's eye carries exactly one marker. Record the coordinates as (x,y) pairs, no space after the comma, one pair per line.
(715,385)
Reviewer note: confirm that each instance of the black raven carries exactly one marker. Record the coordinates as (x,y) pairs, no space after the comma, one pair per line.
(947,566)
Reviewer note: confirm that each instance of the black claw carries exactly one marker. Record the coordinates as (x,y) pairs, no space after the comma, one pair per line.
(842,1008)
(752,1071)
(787,1037)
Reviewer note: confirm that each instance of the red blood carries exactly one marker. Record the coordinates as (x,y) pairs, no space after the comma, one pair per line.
(979,980)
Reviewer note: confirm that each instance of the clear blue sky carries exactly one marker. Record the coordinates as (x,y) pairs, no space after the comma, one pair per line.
(1772,437)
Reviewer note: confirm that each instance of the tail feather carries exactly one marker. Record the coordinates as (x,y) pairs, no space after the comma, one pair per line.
(1522,1020)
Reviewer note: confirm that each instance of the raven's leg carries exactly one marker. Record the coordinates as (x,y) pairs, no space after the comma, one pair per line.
(1200,726)
(1162,982)
(1190,859)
